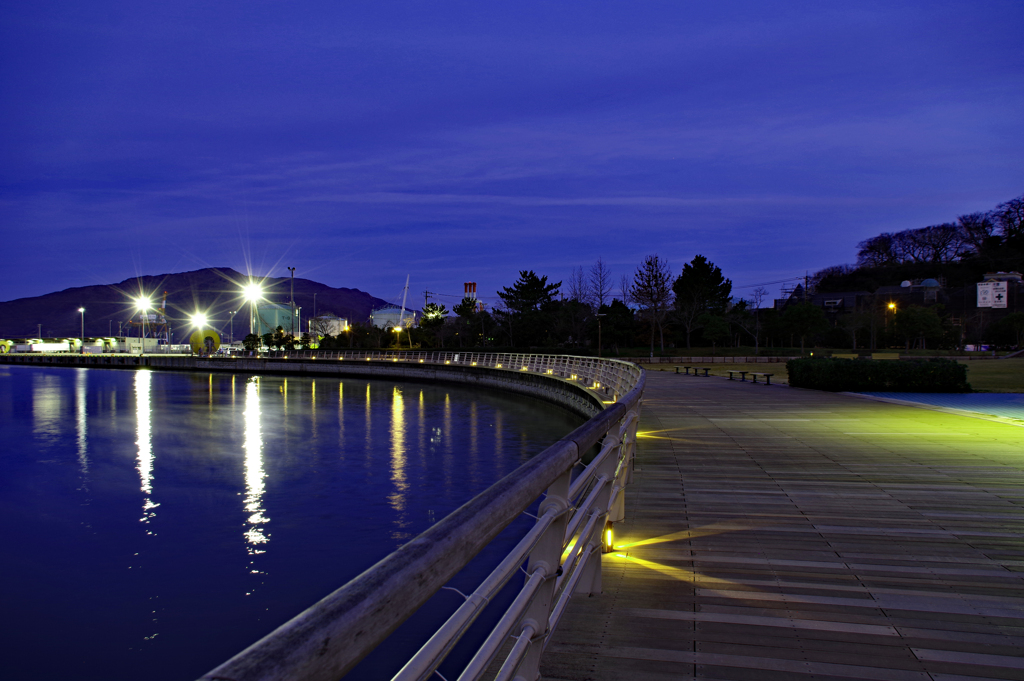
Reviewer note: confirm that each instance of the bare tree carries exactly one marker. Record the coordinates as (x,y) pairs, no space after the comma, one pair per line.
(579,287)
(652,291)
(600,283)
(320,326)
(625,284)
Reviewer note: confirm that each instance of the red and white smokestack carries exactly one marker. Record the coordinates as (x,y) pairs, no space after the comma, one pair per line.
(470,289)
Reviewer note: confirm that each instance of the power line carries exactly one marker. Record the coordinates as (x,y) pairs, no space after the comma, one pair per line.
(769,283)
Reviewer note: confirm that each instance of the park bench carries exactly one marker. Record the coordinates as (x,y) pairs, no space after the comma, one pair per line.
(743,374)
(844,355)
(885,355)
(767,377)
(704,369)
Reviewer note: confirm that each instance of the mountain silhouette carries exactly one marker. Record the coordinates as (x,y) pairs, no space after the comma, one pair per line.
(214,290)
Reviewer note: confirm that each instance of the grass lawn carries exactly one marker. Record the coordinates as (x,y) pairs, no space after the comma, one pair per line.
(996,375)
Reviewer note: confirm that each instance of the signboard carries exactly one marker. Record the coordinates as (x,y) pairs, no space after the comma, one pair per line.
(999,294)
(992,294)
(985,294)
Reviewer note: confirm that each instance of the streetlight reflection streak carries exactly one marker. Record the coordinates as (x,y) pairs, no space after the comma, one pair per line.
(397,497)
(254,474)
(144,441)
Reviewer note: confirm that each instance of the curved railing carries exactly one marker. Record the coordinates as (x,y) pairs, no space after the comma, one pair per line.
(562,551)
(606,378)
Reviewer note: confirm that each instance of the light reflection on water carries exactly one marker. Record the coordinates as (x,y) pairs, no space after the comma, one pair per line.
(254,474)
(81,422)
(144,441)
(215,457)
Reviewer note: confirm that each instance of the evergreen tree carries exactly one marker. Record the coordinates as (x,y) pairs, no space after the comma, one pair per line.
(700,289)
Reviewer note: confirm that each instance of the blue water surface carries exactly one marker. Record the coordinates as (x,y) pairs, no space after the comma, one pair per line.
(156,523)
(1008,405)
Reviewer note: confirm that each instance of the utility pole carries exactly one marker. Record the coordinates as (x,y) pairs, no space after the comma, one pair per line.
(291,303)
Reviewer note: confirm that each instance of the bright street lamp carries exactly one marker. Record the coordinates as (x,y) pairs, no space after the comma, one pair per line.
(81,311)
(199,320)
(143,304)
(252,293)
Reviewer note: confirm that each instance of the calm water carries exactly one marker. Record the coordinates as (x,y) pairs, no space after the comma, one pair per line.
(156,523)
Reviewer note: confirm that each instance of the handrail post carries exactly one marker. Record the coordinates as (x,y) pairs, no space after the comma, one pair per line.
(590,583)
(547,555)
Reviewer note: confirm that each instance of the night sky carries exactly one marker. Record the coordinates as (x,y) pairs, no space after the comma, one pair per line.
(361,142)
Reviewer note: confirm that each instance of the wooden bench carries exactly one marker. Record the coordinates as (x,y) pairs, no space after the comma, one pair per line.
(885,355)
(844,355)
(743,374)
(767,377)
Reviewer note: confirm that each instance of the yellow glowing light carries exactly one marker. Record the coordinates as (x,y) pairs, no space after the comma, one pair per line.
(524,369)
(608,538)
(892,306)
(252,291)
(199,320)
(447,362)
(498,366)
(398,328)
(421,361)
(143,303)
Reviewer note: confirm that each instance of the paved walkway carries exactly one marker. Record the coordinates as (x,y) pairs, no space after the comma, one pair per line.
(779,533)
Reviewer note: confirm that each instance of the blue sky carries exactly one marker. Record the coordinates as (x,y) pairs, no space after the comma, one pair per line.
(453,142)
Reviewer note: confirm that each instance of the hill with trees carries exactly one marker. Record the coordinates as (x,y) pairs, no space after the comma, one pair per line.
(215,290)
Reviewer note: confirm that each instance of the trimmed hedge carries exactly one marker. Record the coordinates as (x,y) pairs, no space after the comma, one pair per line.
(865,375)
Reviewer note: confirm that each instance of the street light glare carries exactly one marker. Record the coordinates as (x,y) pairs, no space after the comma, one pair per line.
(199,319)
(143,303)
(252,291)
(81,309)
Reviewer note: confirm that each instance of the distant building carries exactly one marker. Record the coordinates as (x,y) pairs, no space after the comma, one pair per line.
(391,316)
(269,316)
(327,325)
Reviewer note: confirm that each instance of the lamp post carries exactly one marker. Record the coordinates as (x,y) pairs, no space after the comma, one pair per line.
(81,311)
(252,292)
(231,321)
(199,321)
(599,332)
(314,304)
(291,299)
(143,304)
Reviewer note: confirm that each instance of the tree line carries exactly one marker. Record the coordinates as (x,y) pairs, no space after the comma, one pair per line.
(654,306)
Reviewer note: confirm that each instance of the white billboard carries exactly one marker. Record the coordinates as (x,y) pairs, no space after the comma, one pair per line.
(992,294)
(999,293)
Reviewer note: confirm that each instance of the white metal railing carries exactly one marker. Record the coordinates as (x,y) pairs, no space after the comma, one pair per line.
(610,378)
(562,551)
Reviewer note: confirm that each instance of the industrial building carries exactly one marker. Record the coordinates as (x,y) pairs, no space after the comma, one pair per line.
(327,325)
(392,316)
(269,316)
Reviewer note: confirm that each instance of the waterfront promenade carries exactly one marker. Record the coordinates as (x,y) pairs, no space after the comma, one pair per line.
(780,533)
